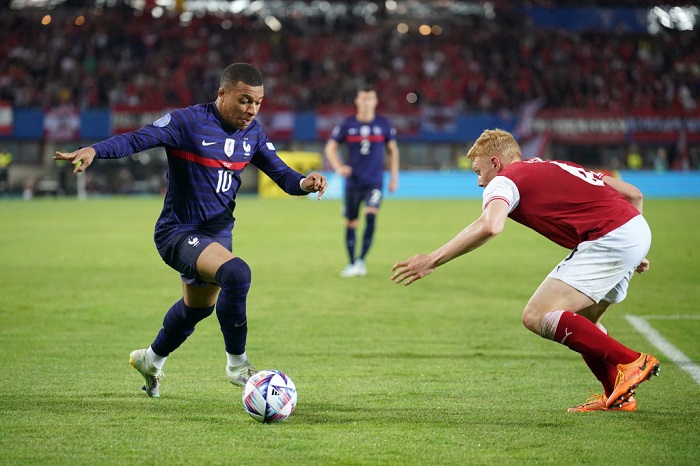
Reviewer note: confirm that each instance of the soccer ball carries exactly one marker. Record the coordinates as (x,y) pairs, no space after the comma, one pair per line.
(269,396)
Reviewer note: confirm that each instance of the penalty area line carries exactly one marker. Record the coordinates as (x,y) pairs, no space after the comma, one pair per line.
(671,352)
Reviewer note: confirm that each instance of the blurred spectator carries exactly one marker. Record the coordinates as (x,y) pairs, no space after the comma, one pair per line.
(5,162)
(634,158)
(661,161)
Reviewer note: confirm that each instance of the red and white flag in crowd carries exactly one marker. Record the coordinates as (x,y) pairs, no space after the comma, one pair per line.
(278,122)
(62,123)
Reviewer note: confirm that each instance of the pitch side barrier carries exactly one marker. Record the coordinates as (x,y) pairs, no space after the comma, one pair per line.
(463,184)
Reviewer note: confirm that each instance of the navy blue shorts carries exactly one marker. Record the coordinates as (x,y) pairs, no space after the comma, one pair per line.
(183,250)
(372,197)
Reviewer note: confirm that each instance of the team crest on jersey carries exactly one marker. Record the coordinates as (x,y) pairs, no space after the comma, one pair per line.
(377,130)
(364,131)
(162,121)
(229,145)
(246,149)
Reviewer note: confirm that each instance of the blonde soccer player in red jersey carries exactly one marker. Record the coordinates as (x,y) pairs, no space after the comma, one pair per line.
(599,218)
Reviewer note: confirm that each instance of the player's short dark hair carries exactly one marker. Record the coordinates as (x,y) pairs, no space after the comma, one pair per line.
(243,72)
(367,87)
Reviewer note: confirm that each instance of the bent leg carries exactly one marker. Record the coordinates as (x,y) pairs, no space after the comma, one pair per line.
(178,325)
(552,313)
(197,304)
(218,265)
(234,277)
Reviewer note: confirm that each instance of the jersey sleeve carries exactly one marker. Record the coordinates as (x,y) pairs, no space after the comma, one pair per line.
(267,160)
(340,131)
(163,132)
(501,188)
(391,131)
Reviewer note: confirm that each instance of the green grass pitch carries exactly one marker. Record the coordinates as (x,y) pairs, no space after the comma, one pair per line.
(440,372)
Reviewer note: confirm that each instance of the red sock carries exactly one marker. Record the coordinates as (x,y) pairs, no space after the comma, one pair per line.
(604,372)
(582,335)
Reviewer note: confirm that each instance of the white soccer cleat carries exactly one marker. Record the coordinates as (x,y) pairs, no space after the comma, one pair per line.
(349,271)
(356,269)
(140,361)
(239,375)
(360,268)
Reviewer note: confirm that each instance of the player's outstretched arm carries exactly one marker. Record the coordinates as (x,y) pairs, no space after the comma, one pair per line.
(80,159)
(488,225)
(315,183)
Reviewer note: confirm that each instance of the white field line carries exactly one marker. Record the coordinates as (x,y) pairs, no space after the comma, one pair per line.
(674,317)
(674,354)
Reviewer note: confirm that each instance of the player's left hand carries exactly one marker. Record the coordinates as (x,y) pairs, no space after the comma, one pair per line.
(393,185)
(412,269)
(315,183)
(643,266)
(80,159)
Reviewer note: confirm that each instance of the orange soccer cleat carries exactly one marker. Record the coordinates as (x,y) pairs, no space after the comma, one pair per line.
(629,376)
(598,403)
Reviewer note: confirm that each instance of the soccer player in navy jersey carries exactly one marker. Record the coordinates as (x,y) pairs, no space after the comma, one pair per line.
(368,137)
(208,146)
(599,218)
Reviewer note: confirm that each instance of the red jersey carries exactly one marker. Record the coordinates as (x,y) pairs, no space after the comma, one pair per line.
(562,201)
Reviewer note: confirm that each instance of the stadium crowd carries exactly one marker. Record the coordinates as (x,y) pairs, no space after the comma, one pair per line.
(474,65)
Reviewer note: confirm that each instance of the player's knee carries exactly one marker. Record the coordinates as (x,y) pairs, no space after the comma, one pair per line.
(234,274)
(532,319)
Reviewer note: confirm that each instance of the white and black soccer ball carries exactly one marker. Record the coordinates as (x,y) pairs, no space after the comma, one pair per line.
(269,396)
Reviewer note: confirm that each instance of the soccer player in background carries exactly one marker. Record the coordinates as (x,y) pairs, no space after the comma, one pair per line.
(599,218)
(208,146)
(368,137)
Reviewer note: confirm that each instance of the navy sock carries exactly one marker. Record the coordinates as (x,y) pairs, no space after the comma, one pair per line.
(234,279)
(368,234)
(178,324)
(350,243)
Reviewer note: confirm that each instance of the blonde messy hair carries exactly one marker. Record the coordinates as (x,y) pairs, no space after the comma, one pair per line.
(496,143)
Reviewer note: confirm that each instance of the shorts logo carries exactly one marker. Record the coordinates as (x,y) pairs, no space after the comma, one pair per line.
(375,198)
(193,241)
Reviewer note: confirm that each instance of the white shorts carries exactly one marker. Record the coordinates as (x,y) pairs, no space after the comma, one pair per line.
(601,269)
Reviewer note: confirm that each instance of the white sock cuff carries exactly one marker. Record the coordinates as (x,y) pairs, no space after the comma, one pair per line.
(550,322)
(157,360)
(236,359)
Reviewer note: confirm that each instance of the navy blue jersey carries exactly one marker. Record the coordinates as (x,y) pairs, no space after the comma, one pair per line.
(205,161)
(366,148)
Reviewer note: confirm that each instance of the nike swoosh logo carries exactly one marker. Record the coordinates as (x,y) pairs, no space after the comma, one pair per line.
(205,143)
